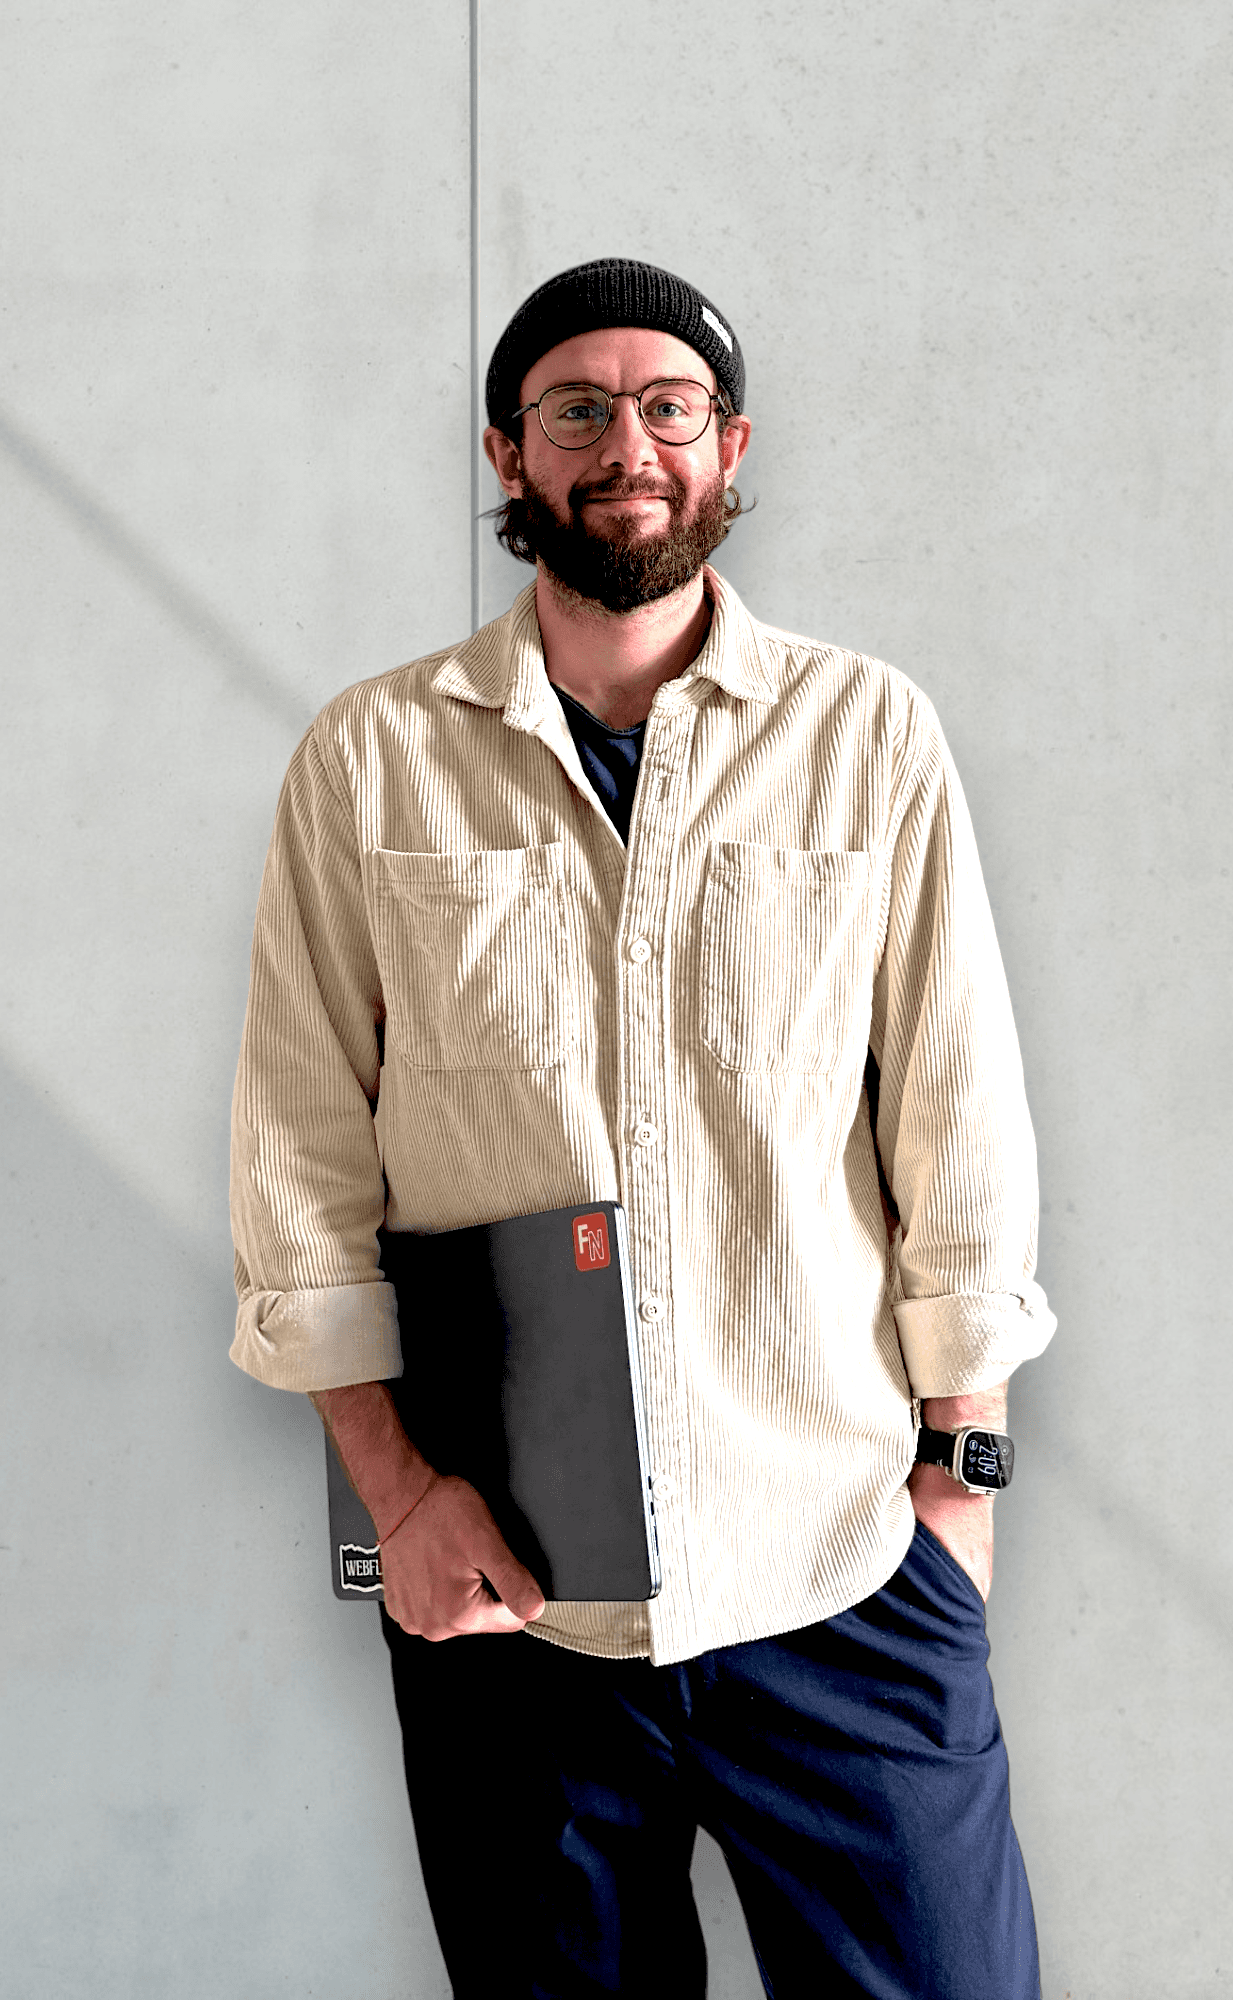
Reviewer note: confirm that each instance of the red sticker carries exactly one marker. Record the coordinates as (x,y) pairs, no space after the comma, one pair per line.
(591,1242)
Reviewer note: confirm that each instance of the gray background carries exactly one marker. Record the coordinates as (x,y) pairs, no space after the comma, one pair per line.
(978,259)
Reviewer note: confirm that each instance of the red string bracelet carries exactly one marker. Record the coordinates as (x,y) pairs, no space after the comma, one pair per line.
(383,1539)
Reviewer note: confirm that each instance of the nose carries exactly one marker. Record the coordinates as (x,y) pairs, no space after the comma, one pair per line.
(626,443)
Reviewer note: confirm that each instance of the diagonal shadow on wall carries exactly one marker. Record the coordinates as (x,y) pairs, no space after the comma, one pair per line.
(241,665)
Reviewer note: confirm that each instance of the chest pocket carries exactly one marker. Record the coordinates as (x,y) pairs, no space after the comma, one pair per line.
(785,974)
(475,958)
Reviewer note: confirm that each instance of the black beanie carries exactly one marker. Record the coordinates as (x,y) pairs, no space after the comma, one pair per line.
(612,291)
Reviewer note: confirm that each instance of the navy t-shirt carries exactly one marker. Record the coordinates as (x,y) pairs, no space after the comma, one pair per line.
(608,756)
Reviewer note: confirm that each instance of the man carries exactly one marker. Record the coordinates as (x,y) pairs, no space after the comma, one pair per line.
(631,897)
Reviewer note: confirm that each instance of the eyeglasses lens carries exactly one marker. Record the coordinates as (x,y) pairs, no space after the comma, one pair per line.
(575,414)
(677,412)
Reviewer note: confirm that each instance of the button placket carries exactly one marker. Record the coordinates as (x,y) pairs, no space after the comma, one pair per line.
(643,961)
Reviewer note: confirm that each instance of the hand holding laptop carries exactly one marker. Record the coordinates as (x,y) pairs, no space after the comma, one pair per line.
(436,1563)
(439,1542)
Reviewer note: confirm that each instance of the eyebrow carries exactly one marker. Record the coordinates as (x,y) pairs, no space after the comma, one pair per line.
(593,382)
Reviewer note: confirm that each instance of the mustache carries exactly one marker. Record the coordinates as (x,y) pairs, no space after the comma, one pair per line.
(625,489)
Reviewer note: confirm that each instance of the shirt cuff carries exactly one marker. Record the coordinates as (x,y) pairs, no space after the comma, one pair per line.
(323,1339)
(973,1340)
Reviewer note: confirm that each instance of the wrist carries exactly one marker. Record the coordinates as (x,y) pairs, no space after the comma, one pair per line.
(981,1408)
(930,1482)
(390,1476)
(385,1535)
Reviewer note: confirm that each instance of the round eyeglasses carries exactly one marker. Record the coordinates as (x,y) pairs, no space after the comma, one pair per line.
(575,414)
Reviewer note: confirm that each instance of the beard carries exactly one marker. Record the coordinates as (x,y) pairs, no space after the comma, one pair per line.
(624,566)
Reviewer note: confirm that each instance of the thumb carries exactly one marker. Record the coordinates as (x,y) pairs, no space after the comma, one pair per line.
(514,1585)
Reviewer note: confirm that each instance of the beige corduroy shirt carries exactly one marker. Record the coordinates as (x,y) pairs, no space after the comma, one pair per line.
(450,924)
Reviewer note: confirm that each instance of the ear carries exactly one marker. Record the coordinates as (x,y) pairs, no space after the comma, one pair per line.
(506,460)
(733,444)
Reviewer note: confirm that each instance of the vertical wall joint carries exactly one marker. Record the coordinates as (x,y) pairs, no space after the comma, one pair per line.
(477,380)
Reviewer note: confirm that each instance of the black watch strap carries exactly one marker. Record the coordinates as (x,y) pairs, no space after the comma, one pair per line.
(935,1448)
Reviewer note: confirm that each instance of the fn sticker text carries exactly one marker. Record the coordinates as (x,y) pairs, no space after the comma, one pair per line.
(591,1242)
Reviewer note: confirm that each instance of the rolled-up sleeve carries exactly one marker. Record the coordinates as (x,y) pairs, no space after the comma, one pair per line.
(307,1188)
(953,1128)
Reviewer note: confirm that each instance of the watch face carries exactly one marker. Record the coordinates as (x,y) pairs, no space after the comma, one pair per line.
(988,1460)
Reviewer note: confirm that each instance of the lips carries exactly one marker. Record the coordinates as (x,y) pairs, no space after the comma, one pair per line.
(615,499)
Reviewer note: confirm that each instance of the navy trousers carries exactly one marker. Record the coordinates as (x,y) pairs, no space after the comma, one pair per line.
(853,1773)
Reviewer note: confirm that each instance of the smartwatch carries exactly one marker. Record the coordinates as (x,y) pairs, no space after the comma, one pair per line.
(980,1461)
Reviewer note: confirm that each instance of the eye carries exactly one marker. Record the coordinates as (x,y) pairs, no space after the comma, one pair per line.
(574,409)
(673,408)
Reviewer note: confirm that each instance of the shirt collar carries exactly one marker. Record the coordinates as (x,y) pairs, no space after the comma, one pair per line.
(735,656)
(502,665)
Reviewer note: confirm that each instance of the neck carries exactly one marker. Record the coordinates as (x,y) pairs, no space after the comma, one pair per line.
(613,662)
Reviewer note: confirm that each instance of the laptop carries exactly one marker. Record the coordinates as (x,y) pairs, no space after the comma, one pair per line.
(521,1375)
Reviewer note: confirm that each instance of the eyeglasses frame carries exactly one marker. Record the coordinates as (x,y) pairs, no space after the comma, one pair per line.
(718,400)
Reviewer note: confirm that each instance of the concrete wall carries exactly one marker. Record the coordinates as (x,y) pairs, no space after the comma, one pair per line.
(977,257)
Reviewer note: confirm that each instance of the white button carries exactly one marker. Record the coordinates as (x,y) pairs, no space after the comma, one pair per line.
(646,1134)
(663,1486)
(652,1306)
(640,950)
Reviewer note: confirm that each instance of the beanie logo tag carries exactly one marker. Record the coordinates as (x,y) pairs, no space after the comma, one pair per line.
(719,327)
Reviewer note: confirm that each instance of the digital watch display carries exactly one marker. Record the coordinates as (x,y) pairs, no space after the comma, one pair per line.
(980,1461)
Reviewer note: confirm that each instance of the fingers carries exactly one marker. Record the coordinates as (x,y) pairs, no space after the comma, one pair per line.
(477,1615)
(515,1586)
(448,1573)
(468,1614)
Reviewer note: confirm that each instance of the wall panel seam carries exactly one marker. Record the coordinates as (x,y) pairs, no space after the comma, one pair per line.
(477,423)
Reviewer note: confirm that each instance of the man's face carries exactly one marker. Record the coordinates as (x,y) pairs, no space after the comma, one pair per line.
(628,519)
